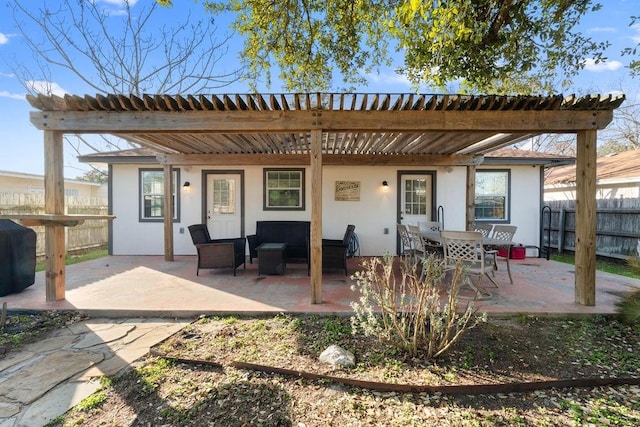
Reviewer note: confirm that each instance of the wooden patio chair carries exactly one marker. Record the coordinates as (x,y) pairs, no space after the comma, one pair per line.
(465,247)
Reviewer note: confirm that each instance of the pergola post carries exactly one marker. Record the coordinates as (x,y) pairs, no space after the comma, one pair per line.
(54,204)
(470,210)
(585,259)
(316,216)
(168,212)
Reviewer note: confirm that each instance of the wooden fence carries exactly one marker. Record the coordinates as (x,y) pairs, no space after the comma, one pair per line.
(617,227)
(89,235)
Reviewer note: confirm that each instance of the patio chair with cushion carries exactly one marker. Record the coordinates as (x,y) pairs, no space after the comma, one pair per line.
(465,247)
(217,253)
(334,252)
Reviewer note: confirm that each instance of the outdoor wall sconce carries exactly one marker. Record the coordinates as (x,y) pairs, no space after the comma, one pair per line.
(385,186)
(186,185)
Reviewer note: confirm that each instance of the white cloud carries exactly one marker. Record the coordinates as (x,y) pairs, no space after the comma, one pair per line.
(636,29)
(590,65)
(4,38)
(603,30)
(46,88)
(5,94)
(117,7)
(119,3)
(10,75)
(388,78)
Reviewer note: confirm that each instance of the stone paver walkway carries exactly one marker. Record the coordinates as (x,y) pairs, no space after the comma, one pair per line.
(46,378)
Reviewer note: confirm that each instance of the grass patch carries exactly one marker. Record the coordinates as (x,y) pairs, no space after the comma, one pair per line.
(26,327)
(614,266)
(76,258)
(93,401)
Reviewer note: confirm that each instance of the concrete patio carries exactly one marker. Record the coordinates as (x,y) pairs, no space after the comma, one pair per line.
(125,286)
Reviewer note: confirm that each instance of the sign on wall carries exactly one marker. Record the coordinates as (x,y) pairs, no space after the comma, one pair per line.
(348,191)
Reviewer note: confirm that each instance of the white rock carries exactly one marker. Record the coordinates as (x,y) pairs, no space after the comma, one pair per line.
(338,356)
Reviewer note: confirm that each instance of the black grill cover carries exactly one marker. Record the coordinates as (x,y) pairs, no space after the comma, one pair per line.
(17,257)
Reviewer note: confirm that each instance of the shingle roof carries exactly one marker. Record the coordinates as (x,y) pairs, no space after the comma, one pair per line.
(620,165)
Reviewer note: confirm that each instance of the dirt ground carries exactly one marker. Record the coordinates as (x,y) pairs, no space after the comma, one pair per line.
(203,388)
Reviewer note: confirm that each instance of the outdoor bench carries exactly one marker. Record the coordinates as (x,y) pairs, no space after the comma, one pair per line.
(294,233)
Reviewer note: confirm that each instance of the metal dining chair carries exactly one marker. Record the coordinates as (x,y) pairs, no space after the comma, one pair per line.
(504,233)
(484,228)
(417,242)
(427,227)
(465,247)
(406,249)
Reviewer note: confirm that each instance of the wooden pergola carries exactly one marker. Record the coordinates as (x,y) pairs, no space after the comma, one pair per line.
(320,129)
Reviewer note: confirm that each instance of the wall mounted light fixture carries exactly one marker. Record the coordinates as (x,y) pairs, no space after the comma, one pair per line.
(385,186)
(186,185)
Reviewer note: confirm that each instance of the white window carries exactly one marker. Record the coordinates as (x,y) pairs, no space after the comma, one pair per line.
(283,189)
(492,195)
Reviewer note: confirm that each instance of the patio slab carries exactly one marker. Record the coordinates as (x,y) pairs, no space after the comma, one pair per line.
(148,286)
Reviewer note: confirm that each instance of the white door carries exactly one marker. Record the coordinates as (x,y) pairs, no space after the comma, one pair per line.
(415,199)
(223,205)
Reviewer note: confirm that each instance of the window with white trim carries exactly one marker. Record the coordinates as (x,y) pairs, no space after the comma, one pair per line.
(492,195)
(283,189)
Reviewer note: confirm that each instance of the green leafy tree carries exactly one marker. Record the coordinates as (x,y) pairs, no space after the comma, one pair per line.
(483,43)
(94,175)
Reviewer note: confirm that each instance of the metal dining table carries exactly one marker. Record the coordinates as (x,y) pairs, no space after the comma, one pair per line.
(434,236)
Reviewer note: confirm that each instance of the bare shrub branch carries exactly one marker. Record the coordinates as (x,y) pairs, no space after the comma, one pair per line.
(403,307)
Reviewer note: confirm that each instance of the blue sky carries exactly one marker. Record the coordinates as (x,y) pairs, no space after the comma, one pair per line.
(21,145)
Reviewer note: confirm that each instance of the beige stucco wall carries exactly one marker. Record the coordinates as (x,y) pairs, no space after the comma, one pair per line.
(34,184)
(620,189)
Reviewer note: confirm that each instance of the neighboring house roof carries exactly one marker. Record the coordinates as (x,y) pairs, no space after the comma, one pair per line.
(519,156)
(620,166)
(132,155)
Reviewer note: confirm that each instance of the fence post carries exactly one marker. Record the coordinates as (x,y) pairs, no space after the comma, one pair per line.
(561,227)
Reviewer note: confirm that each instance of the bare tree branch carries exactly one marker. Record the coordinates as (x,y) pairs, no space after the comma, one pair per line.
(124,54)
(119,53)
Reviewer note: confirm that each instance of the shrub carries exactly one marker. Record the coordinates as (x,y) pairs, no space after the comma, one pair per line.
(628,309)
(405,310)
